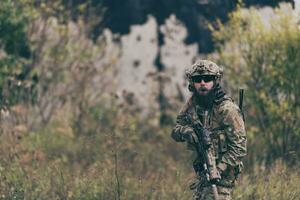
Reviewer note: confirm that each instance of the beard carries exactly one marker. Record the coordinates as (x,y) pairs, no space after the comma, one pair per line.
(205,97)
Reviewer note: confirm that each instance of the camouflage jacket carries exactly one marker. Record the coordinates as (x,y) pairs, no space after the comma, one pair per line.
(228,132)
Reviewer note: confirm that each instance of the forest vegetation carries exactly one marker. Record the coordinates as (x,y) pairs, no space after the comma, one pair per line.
(65,134)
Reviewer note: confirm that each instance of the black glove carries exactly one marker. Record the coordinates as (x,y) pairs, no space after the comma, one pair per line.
(189,137)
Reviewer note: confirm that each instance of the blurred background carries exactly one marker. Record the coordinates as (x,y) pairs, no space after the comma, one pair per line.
(90,90)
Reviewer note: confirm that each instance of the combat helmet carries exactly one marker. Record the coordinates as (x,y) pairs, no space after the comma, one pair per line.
(204,67)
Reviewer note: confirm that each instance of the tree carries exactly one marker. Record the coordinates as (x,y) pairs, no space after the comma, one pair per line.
(263,55)
(15,76)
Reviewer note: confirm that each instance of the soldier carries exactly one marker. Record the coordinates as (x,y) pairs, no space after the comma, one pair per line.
(225,127)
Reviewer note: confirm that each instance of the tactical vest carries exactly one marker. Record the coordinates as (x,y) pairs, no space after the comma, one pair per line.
(219,138)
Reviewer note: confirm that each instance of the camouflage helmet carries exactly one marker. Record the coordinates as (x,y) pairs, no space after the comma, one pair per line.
(204,67)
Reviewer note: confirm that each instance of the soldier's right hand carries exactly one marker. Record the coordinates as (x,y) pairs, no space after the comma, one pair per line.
(190,137)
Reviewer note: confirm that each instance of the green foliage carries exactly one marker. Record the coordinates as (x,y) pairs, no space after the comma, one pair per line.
(53,164)
(263,55)
(90,146)
(279,183)
(18,54)
(13,25)
(123,153)
(14,46)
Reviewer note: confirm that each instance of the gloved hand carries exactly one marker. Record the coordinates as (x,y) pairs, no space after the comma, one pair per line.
(189,136)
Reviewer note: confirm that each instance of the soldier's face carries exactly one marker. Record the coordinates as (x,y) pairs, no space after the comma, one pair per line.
(203,84)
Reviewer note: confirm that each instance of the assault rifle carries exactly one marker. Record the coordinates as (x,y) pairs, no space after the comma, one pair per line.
(204,148)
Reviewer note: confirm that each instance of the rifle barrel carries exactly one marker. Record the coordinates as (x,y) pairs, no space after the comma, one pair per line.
(241,98)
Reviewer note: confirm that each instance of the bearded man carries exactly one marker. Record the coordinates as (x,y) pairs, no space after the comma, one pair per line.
(225,128)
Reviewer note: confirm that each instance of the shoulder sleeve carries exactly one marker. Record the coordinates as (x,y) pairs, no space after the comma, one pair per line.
(232,121)
(182,125)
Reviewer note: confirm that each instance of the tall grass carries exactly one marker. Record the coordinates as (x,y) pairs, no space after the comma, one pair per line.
(128,159)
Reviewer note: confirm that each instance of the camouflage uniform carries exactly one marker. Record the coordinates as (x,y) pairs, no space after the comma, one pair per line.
(228,136)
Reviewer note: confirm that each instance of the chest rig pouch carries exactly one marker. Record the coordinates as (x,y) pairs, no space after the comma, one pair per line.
(218,135)
(220,143)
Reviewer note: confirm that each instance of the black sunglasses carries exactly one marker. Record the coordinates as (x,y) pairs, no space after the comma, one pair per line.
(205,78)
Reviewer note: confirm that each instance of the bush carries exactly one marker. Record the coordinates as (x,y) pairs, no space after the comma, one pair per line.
(263,55)
(281,182)
(123,156)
